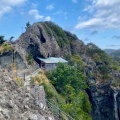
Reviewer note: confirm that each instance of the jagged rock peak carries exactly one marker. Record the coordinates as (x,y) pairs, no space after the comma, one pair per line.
(47,39)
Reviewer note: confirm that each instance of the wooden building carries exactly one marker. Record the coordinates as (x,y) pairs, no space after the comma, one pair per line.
(50,63)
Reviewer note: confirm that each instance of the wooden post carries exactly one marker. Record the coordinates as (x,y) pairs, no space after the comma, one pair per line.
(24,76)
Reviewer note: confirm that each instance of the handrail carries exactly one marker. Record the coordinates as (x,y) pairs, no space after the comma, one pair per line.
(59,111)
(50,105)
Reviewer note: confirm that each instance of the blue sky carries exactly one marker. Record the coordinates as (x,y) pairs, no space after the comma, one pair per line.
(96,21)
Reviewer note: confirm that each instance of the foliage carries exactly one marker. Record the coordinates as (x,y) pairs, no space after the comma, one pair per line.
(78,62)
(116,82)
(104,62)
(30,59)
(11,38)
(94,51)
(66,75)
(68,57)
(4,47)
(71,36)
(2,39)
(27,25)
(115,64)
(79,107)
(47,29)
(115,67)
(71,85)
(58,33)
(50,91)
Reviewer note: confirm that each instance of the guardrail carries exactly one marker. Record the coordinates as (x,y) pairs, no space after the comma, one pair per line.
(58,113)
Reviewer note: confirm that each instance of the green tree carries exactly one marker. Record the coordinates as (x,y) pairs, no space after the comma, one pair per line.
(70,83)
(30,59)
(27,25)
(66,75)
(2,39)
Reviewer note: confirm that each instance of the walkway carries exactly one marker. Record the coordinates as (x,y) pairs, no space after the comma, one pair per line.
(45,104)
(28,78)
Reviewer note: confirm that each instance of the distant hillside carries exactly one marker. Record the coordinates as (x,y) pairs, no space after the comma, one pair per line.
(108,51)
(113,52)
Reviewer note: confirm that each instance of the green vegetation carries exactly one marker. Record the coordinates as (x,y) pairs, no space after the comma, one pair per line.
(27,25)
(98,54)
(30,59)
(116,82)
(71,36)
(47,29)
(115,64)
(51,93)
(5,47)
(103,61)
(2,39)
(70,84)
(58,33)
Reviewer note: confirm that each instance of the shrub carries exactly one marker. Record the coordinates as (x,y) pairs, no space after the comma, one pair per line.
(30,59)
(4,47)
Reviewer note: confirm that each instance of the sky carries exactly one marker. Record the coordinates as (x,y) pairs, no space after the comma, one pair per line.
(96,21)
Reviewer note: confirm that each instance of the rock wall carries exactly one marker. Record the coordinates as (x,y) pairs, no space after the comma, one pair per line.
(7,59)
(36,41)
(105,102)
(21,103)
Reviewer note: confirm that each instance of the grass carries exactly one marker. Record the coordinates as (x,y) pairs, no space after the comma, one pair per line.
(51,93)
(4,47)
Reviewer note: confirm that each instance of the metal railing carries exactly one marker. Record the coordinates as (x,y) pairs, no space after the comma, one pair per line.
(58,113)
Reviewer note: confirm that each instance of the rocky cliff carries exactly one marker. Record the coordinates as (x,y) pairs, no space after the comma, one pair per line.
(22,103)
(9,57)
(46,39)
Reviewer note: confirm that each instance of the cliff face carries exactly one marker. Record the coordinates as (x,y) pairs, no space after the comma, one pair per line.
(22,103)
(41,40)
(46,39)
(7,59)
(106,102)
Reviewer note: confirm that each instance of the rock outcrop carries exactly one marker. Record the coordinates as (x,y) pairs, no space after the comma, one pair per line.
(22,103)
(8,58)
(44,42)
(45,39)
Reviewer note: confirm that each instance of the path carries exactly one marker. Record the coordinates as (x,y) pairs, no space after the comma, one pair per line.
(55,111)
(28,78)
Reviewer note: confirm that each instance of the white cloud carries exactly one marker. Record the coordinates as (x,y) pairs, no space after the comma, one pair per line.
(104,15)
(50,7)
(61,13)
(34,5)
(35,14)
(48,18)
(74,1)
(90,23)
(7,5)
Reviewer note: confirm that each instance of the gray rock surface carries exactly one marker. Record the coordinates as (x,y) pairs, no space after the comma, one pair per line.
(39,42)
(22,103)
(6,60)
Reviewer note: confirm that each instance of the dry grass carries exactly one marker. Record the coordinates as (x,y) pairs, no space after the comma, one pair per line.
(4,47)
(51,93)
(41,78)
(18,80)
